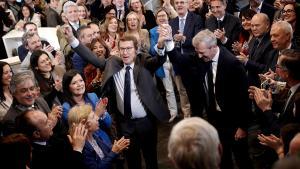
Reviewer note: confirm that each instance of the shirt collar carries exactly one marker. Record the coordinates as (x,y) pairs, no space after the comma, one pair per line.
(216,57)
(222,18)
(184,17)
(121,8)
(131,66)
(42,143)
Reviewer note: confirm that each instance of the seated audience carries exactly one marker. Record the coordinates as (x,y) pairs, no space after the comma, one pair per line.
(6,98)
(27,15)
(97,153)
(75,94)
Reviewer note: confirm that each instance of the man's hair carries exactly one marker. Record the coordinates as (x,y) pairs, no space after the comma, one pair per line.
(28,23)
(162,9)
(291,62)
(19,78)
(205,36)
(264,16)
(194,144)
(223,1)
(67,5)
(26,36)
(285,28)
(80,31)
(129,38)
(25,125)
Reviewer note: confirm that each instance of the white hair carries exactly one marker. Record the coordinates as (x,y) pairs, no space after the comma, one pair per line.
(67,5)
(194,143)
(205,36)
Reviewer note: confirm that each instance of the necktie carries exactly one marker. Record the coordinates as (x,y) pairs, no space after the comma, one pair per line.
(256,42)
(119,14)
(127,94)
(219,22)
(287,100)
(181,25)
(210,94)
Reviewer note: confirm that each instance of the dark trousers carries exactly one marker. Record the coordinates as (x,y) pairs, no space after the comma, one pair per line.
(142,133)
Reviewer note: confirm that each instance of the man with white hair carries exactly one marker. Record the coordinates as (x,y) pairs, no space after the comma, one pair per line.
(194,143)
(70,9)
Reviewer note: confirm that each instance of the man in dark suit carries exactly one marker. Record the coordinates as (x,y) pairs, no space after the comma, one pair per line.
(261,52)
(46,147)
(134,99)
(223,92)
(225,26)
(288,69)
(261,6)
(184,28)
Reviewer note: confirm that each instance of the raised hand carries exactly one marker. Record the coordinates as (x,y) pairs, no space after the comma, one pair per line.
(77,136)
(67,30)
(101,107)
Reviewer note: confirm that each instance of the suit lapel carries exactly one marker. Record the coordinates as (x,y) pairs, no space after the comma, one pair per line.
(187,24)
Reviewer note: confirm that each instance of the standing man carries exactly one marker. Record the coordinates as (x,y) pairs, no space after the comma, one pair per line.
(133,96)
(225,26)
(184,27)
(225,89)
(52,17)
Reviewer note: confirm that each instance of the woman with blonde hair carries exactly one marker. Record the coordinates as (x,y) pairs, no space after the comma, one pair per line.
(133,26)
(97,154)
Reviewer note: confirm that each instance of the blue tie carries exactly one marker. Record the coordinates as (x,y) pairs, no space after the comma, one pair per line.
(127,94)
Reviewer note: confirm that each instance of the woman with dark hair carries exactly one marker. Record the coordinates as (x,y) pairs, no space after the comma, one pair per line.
(27,14)
(147,18)
(5,95)
(75,94)
(246,33)
(93,75)
(290,13)
(48,77)
(111,33)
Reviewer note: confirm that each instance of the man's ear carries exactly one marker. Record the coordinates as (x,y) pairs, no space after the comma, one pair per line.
(36,134)
(26,46)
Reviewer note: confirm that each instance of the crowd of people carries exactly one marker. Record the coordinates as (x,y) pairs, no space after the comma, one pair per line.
(232,74)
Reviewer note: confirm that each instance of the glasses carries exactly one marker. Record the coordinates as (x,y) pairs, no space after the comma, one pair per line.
(25,90)
(125,49)
(287,11)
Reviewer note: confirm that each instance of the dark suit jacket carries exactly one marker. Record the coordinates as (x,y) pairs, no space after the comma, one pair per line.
(144,66)
(265,8)
(261,60)
(290,115)
(53,18)
(231,88)
(232,27)
(22,51)
(91,158)
(59,152)
(231,91)
(193,25)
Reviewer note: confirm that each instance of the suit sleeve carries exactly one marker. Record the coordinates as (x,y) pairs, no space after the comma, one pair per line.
(89,56)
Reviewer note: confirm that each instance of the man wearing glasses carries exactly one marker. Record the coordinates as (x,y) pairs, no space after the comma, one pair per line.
(133,97)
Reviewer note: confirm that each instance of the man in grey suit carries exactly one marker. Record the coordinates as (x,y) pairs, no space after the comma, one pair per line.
(134,99)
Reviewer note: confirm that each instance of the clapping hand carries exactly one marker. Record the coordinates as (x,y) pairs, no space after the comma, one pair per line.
(220,34)
(77,136)
(120,145)
(101,107)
